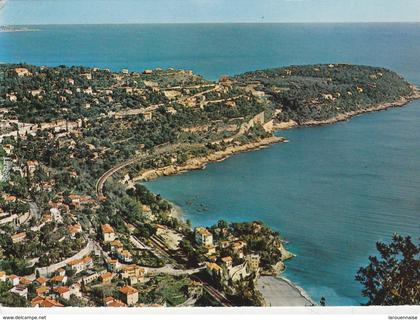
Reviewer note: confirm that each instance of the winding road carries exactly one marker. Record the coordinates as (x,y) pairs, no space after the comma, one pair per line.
(158,150)
(101,181)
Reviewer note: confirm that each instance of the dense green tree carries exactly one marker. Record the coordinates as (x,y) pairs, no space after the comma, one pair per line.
(393,277)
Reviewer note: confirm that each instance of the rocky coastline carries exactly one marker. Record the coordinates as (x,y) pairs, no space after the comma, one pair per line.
(348,115)
(201,162)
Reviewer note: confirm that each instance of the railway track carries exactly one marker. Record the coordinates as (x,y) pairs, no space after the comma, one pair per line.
(164,251)
(214,293)
(165,147)
(160,247)
(101,181)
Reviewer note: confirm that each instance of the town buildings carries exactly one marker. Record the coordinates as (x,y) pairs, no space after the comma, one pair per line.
(108,233)
(129,295)
(203,236)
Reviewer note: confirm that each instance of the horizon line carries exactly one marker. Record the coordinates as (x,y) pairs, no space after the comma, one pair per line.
(184,23)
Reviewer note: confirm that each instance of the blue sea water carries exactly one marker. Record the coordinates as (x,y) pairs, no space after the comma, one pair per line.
(216,49)
(332,191)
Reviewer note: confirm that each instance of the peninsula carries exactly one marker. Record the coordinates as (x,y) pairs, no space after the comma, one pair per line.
(76,226)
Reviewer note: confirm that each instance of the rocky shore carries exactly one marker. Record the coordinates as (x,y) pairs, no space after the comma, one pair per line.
(348,115)
(379,107)
(284,125)
(200,162)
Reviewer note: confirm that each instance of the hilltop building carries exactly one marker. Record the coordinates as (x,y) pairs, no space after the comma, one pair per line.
(129,295)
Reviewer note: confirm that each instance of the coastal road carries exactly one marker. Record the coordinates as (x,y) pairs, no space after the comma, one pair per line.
(157,150)
(101,181)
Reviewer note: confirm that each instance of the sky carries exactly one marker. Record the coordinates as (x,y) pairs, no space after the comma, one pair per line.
(18,12)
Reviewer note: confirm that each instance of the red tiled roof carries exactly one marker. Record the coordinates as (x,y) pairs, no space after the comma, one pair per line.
(50,303)
(42,290)
(127,290)
(203,231)
(41,280)
(87,260)
(36,300)
(106,228)
(57,279)
(107,275)
(61,290)
(116,304)
(108,300)
(25,281)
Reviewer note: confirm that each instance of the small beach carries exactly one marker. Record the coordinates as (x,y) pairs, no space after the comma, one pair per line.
(276,290)
(281,292)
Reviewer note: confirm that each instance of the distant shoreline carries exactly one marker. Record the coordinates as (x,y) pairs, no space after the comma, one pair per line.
(228,23)
(12,30)
(375,108)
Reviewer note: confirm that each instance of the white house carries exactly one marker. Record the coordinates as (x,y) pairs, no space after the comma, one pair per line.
(203,236)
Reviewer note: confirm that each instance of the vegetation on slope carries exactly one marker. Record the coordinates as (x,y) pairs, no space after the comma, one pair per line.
(321,92)
(393,277)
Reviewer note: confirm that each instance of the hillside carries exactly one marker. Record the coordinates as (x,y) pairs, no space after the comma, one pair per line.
(76,140)
(321,92)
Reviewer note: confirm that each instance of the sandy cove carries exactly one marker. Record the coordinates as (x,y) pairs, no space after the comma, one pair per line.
(200,162)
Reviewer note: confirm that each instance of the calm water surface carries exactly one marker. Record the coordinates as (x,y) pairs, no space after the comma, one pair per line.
(216,49)
(332,191)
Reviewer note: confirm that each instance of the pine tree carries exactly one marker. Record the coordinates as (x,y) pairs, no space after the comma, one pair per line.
(393,278)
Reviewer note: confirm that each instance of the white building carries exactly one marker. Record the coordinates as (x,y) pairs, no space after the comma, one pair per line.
(20,290)
(203,236)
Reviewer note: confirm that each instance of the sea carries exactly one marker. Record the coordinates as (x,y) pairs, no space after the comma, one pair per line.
(333,191)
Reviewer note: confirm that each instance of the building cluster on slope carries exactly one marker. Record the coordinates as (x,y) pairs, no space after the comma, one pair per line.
(110,98)
(58,238)
(227,269)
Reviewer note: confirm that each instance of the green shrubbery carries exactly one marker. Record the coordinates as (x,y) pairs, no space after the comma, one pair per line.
(320,92)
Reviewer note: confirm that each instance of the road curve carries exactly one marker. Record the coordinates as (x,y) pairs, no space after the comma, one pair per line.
(164,147)
(101,181)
